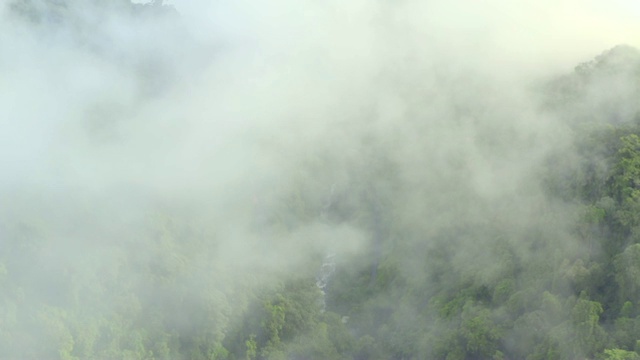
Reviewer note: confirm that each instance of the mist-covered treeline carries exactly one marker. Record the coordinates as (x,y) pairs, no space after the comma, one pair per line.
(336,183)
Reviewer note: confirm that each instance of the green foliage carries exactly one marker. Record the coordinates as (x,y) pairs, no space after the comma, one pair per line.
(479,332)
(585,317)
(619,354)
(252,348)
(627,267)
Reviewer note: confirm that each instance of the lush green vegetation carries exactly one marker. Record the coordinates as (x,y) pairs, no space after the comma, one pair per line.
(547,270)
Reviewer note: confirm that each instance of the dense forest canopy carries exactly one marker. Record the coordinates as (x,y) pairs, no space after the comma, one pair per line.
(157,205)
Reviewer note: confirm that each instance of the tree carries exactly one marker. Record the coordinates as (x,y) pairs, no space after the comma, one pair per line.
(619,354)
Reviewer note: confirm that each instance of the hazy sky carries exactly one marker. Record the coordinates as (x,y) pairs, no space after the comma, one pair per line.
(530,32)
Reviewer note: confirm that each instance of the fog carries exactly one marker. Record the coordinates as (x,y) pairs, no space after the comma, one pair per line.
(225,146)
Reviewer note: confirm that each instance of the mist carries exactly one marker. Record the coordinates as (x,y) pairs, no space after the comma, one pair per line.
(175,176)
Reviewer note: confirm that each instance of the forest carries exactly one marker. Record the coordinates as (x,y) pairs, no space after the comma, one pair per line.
(168,199)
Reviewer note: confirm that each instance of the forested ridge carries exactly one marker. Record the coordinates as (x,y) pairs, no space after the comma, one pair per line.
(485,227)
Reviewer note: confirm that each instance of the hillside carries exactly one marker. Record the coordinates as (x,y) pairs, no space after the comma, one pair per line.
(163,200)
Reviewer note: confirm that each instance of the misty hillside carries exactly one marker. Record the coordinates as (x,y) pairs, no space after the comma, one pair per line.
(294,191)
